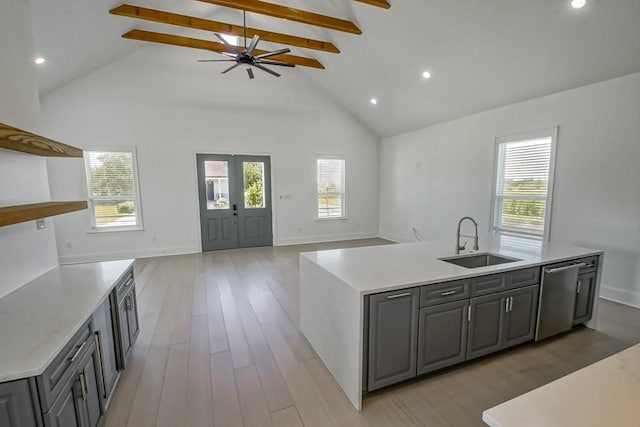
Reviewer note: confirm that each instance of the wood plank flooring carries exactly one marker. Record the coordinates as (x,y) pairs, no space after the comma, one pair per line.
(220,346)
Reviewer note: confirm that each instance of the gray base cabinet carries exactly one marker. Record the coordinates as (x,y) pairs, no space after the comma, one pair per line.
(103,323)
(585,289)
(393,333)
(442,336)
(19,405)
(502,320)
(80,403)
(128,325)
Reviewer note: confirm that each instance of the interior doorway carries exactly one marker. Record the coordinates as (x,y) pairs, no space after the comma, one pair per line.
(235,201)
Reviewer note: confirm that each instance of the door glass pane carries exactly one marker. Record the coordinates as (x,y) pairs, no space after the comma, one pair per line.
(253,184)
(217,184)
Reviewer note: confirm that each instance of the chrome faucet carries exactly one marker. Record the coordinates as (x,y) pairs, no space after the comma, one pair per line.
(458,235)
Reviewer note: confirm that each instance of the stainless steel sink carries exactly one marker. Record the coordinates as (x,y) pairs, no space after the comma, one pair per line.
(478,260)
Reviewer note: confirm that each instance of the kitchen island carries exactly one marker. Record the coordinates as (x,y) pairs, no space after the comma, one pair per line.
(338,287)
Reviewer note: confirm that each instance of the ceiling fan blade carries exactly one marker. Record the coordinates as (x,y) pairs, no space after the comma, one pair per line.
(266,70)
(230,68)
(216,60)
(252,46)
(273,53)
(282,64)
(250,72)
(226,43)
(230,55)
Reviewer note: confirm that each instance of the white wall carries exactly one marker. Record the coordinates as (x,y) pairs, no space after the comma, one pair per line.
(25,253)
(168,105)
(432,177)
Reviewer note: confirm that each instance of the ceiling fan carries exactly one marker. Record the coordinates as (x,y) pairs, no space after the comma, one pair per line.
(247,57)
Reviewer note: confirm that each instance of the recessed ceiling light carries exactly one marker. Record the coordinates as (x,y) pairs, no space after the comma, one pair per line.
(373,101)
(426,74)
(577,4)
(39,60)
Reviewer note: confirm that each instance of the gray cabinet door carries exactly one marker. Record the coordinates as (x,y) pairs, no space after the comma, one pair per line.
(132,315)
(393,333)
(124,329)
(104,328)
(442,336)
(485,327)
(17,408)
(65,412)
(585,289)
(520,319)
(91,404)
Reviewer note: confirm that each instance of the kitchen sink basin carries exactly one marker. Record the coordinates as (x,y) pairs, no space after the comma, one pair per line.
(478,260)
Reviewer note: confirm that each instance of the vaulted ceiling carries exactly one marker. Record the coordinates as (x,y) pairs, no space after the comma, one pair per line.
(481,54)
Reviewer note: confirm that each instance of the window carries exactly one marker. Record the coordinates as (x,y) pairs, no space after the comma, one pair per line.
(331,189)
(524,183)
(114,197)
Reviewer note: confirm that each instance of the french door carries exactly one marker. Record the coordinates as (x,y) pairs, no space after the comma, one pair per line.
(235,201)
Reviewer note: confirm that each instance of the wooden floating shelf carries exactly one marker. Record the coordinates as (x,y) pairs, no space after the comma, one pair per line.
(22,213)
(26,142)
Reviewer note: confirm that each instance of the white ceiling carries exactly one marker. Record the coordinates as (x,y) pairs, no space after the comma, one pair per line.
(482,54)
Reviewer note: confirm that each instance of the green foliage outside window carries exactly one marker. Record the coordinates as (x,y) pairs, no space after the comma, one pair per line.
(254,195)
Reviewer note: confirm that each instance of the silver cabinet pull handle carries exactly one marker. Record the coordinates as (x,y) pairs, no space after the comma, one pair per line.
(510,304)
(579,285)
(406,294)
(506,305)
(590,265)
(83,387)
(469,314)
(444,294)
(77,353)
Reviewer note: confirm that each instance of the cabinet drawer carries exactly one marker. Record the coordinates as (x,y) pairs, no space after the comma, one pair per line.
(57,374)
(526,277)
(123,286)
(444,292)
(485,285)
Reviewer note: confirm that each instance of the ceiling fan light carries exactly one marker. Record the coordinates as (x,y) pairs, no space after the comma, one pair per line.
(578,4)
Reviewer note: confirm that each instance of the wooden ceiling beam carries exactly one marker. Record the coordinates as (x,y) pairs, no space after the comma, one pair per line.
(297,15)
(380,3)
(162,38)
(219,27)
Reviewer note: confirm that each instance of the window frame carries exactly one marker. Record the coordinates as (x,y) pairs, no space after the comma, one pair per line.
(136,187)
(343,193)
(520,137)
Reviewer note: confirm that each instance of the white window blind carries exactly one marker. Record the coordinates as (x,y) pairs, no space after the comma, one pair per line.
(524,180)
(113,189)
(331,188)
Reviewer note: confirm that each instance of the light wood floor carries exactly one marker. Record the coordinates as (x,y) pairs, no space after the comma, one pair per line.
(219,346)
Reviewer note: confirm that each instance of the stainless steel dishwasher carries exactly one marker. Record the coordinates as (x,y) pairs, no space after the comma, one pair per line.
(557,299)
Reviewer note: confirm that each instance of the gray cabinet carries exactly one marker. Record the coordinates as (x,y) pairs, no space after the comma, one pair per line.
(585,289)
(127,314)
(442,336)
(520,316)
(103,324)
(80,402)
(393,333)
(18,404)
(486,325)
(502,320)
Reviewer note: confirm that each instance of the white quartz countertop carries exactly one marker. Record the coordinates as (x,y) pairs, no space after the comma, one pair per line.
(387,267)
(606,393)
(38,319)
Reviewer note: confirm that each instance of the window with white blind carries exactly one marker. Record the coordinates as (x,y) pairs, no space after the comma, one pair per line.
(114,196)
(524,183)
(331,188)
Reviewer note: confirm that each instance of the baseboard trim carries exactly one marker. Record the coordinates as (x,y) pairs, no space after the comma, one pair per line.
(140,253)
(621,296)
(394,238)
(323,238)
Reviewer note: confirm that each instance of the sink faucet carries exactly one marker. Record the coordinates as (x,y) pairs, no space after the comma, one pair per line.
(458,235)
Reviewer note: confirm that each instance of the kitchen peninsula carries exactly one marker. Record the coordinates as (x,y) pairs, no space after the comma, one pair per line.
(380,315)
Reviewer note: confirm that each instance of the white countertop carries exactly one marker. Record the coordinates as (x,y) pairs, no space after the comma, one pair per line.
(368,269)
(606,393)
(38,319)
